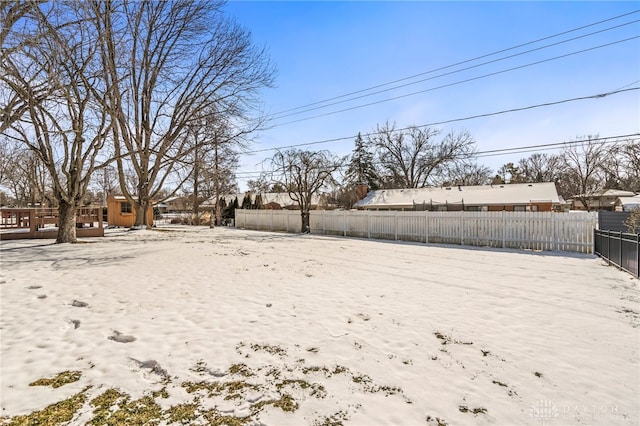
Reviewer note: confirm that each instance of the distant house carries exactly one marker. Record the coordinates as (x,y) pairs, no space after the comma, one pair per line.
(542,197)
(179,204)
(121,213)
(282,201)
(626,204)
(601,200)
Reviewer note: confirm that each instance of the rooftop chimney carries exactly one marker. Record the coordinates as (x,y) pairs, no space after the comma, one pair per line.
(361,190)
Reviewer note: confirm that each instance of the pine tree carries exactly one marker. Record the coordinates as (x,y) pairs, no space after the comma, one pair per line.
(258,204)
(230,211)
(361,169)
(246,201)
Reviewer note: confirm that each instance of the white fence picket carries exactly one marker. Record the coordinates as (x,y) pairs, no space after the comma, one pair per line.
(520,230)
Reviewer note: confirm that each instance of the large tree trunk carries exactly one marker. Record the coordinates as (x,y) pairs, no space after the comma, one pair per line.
(66,223)
(141,209)
(306,229)
(218,217)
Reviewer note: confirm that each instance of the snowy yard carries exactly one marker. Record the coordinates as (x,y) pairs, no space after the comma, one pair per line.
(223,326)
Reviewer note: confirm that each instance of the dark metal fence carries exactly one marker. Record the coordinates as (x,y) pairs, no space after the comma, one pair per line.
(619,249)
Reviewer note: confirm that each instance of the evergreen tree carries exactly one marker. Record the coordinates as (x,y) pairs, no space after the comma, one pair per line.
(246,201)
(230,211)
(361,169)
(258,204)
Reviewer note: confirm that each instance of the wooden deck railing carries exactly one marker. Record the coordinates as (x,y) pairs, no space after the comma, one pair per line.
(32,222)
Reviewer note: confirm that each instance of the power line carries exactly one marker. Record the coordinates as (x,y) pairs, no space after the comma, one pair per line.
(278,116)
(460,82)
(461,62)
(507,151)
(437,123)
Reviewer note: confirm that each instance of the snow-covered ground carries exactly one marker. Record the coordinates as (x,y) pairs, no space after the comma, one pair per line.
(198,326)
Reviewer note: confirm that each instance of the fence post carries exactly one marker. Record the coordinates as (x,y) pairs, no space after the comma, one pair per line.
(395,223)
(344,223)
(608,247)
(504,230)
(33,227)
(620,251)
(638,255)
(554,239)
(368,223)
(426,227)
(462,227)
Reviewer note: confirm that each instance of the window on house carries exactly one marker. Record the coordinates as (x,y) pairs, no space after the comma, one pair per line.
(519,208)
(125,207)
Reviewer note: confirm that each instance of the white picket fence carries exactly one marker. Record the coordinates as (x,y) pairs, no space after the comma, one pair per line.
(571,232)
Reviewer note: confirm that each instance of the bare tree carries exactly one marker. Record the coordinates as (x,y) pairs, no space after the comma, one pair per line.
(540,168)
(304,174)
(168,65)
(465,173)
(16,33)
(623,165)
(259,185)
(214,159)
(583,165)
(25,176)
(412,158)
(54,77)
(7,158)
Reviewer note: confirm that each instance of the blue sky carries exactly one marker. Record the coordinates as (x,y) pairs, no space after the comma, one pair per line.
(328,49)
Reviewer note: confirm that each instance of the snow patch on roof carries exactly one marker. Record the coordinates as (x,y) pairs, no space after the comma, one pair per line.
(522,193)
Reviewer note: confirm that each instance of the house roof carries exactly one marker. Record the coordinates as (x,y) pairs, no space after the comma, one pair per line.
(607,193)
(520,193)
(629,201)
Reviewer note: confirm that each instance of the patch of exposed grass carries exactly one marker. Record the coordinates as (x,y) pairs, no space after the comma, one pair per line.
(336,419)
(200,367)
(210,388)
(445,340)
(314,369)
(286,403)
(436,421)
(475,411)
(241,370)
(272,349)
(183,413)
(317,389)
(116,408)
(59,379)
(55,414)
(215,418)
(339,369)
(230,390)
(162,393)
(361,379)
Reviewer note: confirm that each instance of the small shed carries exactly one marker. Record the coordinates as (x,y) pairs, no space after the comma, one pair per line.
(120,212)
